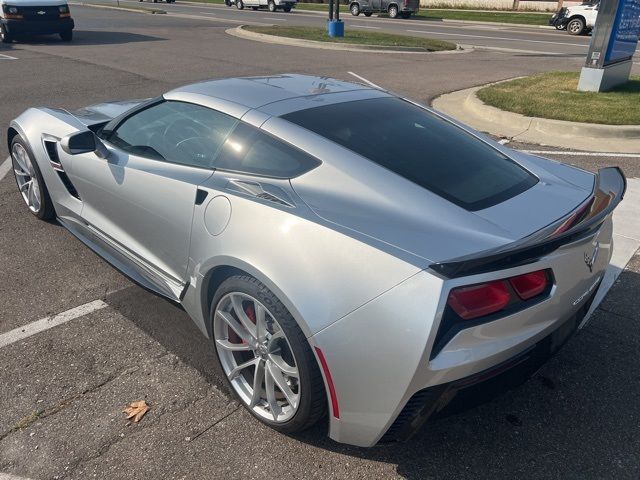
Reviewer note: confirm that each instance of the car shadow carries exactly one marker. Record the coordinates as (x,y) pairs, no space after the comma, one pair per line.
(576,418)
(88,37)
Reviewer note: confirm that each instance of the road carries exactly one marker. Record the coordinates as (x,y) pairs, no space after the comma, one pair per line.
(528,40)
(63,389)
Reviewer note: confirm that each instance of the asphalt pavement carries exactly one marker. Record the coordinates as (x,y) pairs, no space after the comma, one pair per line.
(63,389)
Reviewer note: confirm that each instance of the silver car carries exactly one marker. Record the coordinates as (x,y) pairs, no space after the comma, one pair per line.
(349,252)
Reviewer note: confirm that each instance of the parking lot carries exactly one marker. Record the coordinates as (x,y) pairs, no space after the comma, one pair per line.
(64,388)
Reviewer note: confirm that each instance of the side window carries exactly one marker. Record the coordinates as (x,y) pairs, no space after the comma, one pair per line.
(174,132)
(250,150)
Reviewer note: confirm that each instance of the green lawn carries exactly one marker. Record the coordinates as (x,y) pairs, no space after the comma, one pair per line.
(357,37)
(554,95)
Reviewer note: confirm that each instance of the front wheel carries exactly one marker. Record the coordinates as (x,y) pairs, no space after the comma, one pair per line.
(239,4)
(355,9)
(271,6)
(29,180)
(5,37)
(265,356)
(393,11)
(66,36)
(575,26)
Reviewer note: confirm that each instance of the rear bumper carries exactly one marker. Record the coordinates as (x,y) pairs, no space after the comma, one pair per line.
(480,387)
(44,27)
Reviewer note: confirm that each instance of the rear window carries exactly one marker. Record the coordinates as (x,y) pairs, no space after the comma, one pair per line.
(420,147)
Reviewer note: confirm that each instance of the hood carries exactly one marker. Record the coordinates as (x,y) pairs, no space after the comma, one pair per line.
(400,213)
(103,112)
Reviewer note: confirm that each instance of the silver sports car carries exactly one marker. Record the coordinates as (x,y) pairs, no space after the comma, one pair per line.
(349,252)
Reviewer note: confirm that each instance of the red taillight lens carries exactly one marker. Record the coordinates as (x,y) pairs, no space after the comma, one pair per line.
(530,284)
(479,300)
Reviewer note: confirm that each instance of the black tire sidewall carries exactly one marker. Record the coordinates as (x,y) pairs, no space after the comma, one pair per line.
(305,360)
(46,211)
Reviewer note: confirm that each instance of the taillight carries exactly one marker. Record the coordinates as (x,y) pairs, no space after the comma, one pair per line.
(529,285)
(479,300)
(486,298)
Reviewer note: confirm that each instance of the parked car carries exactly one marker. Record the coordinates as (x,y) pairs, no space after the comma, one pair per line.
(395,8)
(576,20)
(271,5)
(374,270)
(35,17)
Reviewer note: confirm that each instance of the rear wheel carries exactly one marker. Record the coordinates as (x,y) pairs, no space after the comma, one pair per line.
(29,180)
(355,9)
(393,11)
(66,36)
(265,356)
(575,26)
(239,4)
(271,6)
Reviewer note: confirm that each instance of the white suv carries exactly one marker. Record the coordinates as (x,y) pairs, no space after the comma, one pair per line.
(576,20)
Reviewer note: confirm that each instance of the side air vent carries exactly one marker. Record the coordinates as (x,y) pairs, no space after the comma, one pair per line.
(52,152)
(267,192)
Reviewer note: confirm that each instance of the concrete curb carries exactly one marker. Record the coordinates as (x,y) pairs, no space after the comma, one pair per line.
(347,47)
(155,11)
(465,106)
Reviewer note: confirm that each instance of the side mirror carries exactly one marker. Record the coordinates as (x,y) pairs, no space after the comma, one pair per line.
(83,142)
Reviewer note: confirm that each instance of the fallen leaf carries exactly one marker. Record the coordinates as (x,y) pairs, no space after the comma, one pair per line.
(136,410)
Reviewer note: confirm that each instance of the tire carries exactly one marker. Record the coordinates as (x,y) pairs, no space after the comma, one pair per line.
(368,14)
(286,9)
(291,344)
(5,37)
(355,9)
(239,4)
(393,11)
(45,210)
(66,36)
(576,26)
(271,6)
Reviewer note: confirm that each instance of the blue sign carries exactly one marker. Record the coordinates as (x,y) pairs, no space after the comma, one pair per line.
(626,28)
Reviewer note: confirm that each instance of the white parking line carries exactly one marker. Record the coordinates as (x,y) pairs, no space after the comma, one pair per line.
(8,476)
(7,57)
(365,26)
(46,323)
(582,154)
(5,167)
(495,38)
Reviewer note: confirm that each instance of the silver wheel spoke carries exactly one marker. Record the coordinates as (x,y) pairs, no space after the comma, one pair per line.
(235,326)
(26,186)
(21,172)
(258,378)
(261,326)
(283,366)
(236,301)
(269,386)
(276,374)
(236,371)
(234,347)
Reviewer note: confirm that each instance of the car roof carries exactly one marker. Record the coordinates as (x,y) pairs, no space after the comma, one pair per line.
(238,95)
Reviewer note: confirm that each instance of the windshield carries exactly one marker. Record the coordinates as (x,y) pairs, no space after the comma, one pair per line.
(421,147)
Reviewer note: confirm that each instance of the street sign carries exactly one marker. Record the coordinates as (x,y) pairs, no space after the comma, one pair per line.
(613,43)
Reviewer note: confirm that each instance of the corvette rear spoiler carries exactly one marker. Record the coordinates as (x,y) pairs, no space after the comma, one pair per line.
(609,189)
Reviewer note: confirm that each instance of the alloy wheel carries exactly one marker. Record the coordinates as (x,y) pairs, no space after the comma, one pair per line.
(26,177)
(256,357)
